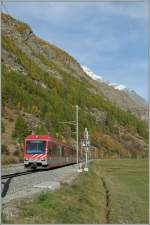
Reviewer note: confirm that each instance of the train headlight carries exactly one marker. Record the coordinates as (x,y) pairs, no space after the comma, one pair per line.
(26,159)
(43,159)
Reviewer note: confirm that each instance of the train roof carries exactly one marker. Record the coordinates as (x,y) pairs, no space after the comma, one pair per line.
(43,137)
(36,136)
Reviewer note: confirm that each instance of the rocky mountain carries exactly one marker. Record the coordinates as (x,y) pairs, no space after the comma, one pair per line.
(41,84)
(120,95)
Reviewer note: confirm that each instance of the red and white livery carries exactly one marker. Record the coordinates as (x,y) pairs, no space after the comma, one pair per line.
(45,151)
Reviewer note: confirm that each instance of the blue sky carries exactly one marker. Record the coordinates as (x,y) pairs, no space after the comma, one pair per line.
(111,38)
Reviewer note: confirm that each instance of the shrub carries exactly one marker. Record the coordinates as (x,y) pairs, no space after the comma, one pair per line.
(16,153)
(5,150)
(21,129)
(3,127)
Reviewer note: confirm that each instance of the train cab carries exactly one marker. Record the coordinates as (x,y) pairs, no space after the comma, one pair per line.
(35,151)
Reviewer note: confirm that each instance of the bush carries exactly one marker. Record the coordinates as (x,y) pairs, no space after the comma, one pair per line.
(41,130)
(5,150)
(3,127)
(21,129)
(16,153)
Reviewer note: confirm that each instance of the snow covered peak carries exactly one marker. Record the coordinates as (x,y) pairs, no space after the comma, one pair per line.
(119,87)
(89,72)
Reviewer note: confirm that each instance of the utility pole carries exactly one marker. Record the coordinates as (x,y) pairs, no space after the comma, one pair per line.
(79,169)
(76,123)
(81,142)
(77,133)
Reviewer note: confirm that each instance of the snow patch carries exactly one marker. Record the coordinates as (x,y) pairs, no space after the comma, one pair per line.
(94,76)
(91,74)
(118,86)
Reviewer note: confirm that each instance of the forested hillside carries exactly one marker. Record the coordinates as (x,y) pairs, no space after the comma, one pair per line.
(41,84)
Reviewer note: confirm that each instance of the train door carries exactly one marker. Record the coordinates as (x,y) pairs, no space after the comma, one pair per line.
(51,152)
(61,153)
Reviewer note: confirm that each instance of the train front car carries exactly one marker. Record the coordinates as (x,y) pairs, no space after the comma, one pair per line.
(45,151)
(35,151)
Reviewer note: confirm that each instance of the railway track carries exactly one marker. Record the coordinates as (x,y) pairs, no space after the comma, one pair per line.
(17,174)
(11,175)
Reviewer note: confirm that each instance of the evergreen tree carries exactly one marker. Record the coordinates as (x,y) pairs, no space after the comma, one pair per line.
(21,129)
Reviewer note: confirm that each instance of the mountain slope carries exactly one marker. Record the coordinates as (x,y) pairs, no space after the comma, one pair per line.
(118,94)
(41,84)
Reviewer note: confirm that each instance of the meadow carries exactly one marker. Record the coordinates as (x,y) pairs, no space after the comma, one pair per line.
(113,191)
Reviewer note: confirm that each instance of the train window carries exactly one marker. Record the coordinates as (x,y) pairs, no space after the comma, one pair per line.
(63,153)
(35,147)
(54,149)
(61,150)
(50,147)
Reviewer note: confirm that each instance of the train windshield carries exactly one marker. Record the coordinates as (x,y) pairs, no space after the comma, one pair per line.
(35,146)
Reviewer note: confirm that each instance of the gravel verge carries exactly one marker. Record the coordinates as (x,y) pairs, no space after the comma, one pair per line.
(12,168)
(24,187)
(13,190)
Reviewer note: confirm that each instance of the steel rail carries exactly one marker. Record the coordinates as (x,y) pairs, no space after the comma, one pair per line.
(16,174)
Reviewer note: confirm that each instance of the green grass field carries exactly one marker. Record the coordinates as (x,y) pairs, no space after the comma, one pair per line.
(113,191)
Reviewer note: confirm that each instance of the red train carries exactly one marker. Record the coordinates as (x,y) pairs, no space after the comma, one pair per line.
(45,151)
